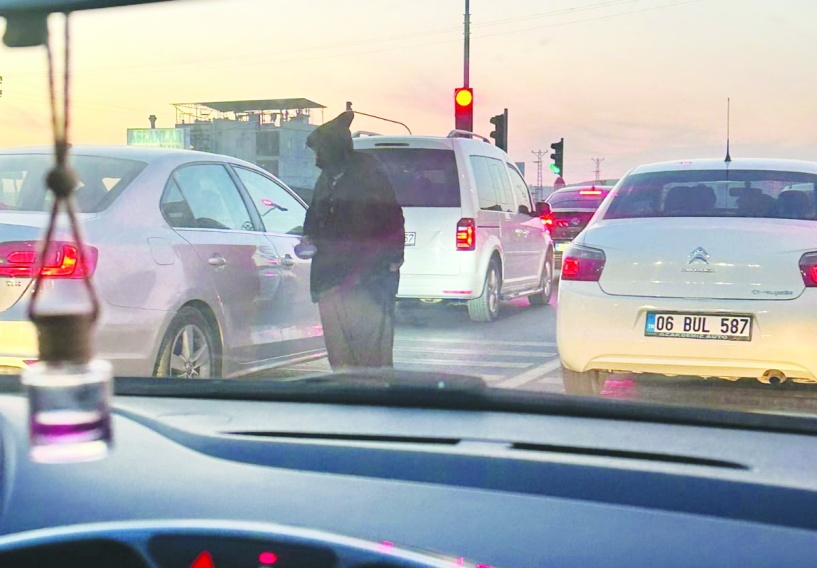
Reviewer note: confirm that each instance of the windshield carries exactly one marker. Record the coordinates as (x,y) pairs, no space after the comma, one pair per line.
(284,191)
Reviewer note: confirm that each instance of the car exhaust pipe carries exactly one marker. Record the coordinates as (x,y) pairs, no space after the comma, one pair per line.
(772,377)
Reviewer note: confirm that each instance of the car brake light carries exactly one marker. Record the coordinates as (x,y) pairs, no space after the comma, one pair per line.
(590,192)
(62,260)
(547,221)
(808,269)
(582,264)
(466,234)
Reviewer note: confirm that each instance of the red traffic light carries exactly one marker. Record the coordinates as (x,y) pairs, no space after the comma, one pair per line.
(464,109)
(464,97)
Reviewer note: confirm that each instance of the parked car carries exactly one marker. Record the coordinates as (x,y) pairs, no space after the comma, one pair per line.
(191,254)
(570,210)
(473,232)
(705,268)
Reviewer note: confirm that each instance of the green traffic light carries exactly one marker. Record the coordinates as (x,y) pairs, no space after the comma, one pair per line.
(555,169)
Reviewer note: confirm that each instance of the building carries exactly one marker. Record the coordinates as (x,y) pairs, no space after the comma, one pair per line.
(270,133)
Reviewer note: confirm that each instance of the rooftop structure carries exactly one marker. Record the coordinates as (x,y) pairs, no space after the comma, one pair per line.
(263,111)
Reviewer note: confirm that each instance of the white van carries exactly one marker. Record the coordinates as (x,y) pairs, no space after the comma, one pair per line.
(473,232)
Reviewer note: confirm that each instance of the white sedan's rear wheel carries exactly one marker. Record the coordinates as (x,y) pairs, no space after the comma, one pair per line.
(588,383)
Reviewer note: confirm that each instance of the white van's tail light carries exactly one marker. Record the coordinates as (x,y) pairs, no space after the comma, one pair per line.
(466,234)
(583,264)
(19,260)
(808,269)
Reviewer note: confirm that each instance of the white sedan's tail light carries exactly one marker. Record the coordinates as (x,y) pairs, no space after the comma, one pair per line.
(582,264)
(62,260)
(808,269)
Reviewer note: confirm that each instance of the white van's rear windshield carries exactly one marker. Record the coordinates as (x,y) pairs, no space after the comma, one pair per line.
(421,177)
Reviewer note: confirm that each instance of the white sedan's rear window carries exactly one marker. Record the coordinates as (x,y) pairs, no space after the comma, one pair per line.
(100,181)
(715,193)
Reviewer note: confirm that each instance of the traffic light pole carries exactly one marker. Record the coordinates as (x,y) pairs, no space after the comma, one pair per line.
(467,58)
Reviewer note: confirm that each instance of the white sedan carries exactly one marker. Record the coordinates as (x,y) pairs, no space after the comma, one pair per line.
(703,267)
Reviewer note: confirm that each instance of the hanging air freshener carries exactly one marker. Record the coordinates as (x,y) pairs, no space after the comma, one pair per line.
(69,391)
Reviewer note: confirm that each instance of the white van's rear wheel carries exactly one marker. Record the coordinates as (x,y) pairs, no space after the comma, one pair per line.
(486,307)
(546,284)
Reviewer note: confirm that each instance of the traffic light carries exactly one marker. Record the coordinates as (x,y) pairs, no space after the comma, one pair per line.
(500,133)
(464,109)
(558,157)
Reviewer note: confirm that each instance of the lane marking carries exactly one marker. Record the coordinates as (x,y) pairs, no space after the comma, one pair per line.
(464,364)
(503,353)
(530,375)
(550,344)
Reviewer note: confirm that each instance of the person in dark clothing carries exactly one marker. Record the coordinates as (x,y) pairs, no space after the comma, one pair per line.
(357,228)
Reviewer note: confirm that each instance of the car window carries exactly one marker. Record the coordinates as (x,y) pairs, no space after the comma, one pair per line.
(421,177)
(577,199)
(211,196)
(520,189)
(728,193)
(100,180)
(280,212)
(501,183)
(487,186)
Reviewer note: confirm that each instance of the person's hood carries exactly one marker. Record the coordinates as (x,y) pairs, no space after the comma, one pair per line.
(333,139)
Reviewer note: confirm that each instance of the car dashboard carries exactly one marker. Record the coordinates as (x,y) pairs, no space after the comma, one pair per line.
(199,482)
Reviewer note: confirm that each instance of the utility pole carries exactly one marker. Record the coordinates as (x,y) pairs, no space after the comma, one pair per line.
(467,58)
(539,155)
(598,161)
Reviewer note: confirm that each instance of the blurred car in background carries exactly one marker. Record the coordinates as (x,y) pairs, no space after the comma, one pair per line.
(192,256)
(570,210)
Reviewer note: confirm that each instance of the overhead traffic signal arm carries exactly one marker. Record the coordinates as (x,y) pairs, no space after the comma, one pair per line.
(557,167)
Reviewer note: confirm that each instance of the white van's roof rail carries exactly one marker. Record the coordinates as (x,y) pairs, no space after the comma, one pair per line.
(466,134)
(361,133)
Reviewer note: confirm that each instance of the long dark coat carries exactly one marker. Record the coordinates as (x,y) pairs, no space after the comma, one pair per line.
(357,227)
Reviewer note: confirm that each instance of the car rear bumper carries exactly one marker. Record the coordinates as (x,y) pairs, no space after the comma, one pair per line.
(598,331)
(433,286)
(126,337)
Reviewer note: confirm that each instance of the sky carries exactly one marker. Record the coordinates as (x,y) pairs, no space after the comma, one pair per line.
(629,81)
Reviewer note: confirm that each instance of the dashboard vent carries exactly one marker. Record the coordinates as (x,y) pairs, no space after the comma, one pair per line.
(352,437)
(629,455)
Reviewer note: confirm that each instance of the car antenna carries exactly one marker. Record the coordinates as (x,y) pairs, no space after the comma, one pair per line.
(728,105)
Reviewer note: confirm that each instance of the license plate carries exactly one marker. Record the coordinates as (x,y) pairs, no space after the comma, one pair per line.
(561,246)
(699,326)
(410,239)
